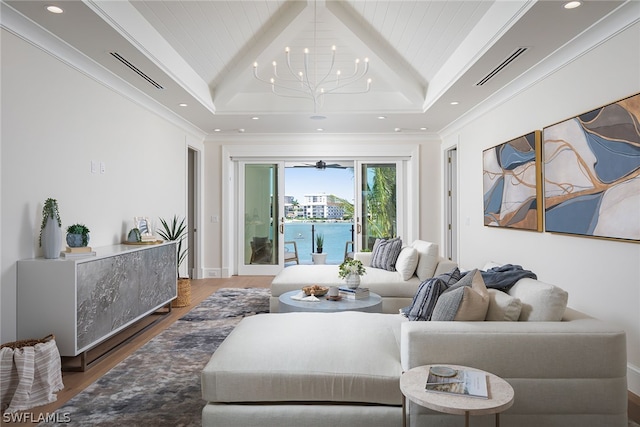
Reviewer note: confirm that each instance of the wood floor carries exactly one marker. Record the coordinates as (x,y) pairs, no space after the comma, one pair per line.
(132,339)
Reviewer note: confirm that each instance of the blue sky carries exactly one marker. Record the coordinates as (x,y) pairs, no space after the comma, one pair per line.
(301,181)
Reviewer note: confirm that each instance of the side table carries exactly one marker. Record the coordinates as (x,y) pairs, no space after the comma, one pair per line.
(412,385)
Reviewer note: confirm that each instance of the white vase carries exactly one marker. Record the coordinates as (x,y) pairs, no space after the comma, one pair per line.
(353,281)
(51,239)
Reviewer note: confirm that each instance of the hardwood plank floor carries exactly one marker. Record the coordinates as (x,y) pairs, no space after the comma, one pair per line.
(75,382)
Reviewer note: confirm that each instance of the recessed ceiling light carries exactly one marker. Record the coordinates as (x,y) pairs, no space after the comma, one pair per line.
(54,9)
(217,130)
(423,128)
(397,130)
(241,130)
(382,117)
(455,103)
(255,118)
(572,4)
(320,129)
(182,104)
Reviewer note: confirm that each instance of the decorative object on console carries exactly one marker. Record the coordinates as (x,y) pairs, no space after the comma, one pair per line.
(134,235)
(77,236)
(512,183)
(591,172)
(177,230)
(144,226)
(51,229)
(350,270)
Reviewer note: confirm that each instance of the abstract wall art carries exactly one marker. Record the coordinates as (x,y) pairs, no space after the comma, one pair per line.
(592,172)
(512,184)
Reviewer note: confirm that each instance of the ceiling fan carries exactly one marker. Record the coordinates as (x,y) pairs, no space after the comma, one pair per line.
(321,165)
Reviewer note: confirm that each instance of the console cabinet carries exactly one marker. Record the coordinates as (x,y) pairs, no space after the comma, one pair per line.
(84,301)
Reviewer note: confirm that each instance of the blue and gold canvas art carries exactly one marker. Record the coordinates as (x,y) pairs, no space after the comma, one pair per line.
(592,172)
(511,184)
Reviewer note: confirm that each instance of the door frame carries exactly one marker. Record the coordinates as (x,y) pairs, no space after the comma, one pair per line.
(321,149)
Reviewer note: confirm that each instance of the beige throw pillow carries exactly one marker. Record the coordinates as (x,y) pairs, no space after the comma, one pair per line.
(407,262)
(541,302)
(427,259)
(503,307)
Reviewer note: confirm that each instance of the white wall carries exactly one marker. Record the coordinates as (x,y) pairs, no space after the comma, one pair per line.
(55,121)
(601,276)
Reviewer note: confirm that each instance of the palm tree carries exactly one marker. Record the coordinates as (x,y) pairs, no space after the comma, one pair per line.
(381,200)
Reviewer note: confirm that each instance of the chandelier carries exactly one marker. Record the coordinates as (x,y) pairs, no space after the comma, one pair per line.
(309,82)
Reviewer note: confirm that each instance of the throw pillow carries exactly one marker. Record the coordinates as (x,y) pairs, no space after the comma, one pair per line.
(503,307)
(467,300)
(407,262)
(541,302)
(427,295)
(385,253)
(427,259)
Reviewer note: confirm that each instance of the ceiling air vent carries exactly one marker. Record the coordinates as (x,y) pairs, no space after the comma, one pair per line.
(136,70)
(508,60)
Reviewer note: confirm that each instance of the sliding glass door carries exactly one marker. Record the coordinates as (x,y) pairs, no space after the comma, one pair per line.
(377,205)
(260,209)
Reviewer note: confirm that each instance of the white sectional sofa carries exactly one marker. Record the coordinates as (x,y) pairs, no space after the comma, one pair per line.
(343,369)
(416,263)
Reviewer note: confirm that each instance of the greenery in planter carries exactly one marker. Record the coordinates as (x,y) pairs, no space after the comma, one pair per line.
(319,242)
(49,210)
(80,229)
(351,266)
(176,230)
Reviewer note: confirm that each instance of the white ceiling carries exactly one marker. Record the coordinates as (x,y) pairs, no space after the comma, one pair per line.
(423,54)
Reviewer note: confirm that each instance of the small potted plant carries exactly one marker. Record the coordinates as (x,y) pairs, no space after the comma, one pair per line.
(319,242)
(351,270)
(176,230)
(77,236)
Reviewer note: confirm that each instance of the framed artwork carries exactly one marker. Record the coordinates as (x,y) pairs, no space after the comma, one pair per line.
(592,172)
(512,184)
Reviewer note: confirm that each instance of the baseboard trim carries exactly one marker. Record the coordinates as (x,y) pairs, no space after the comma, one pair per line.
(633,379)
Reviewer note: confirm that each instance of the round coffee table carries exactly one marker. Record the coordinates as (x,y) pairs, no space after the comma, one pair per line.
(412,385)
(372,304)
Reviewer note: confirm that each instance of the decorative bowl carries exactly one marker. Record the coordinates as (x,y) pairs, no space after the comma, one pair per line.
(315,290)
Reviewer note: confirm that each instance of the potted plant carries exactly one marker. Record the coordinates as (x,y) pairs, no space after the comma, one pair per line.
(77,236)
(176,230)
(51,229)
(319,242)
(351,270)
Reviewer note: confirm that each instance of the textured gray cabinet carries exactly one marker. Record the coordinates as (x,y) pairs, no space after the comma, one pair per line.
(84,301)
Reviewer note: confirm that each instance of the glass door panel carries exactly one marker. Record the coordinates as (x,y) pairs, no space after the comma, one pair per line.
(378,202)
(260,206)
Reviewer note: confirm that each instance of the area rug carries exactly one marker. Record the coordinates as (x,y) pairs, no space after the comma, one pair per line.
(159,384)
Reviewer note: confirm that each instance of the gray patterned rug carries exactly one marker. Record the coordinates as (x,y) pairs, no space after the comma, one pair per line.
(159,384)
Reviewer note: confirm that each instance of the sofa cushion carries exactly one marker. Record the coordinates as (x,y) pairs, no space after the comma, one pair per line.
(385,253)
(426,297)
(541,302)
(427,259)
(467,300)
(503,307)
(323,357)
(407,262)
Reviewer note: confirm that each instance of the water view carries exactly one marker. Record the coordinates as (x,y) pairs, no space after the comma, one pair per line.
(336,235)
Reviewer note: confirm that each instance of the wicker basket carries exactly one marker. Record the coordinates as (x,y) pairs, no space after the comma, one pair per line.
(27,343)
(184,294)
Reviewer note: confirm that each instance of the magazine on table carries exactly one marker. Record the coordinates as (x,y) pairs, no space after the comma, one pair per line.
(462,382)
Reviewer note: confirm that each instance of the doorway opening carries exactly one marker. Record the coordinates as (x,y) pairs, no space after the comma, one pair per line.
(319,208)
